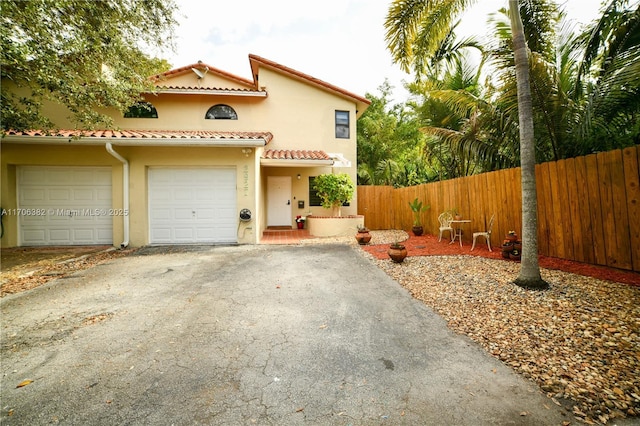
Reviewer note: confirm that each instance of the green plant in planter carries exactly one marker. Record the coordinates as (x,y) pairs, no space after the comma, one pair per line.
(397,252)
(334,190)
(417,208)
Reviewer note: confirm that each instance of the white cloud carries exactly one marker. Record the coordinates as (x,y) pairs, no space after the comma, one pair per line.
(339,41)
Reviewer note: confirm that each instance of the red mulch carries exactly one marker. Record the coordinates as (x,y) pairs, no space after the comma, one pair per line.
(428,245)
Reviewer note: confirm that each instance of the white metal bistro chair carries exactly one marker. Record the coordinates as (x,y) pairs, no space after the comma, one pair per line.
(486,234)
(445,224)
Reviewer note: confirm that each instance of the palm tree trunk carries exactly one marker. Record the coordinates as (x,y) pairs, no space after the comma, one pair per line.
(529,276)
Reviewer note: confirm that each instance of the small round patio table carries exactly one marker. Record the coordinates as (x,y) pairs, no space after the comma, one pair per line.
(457,231)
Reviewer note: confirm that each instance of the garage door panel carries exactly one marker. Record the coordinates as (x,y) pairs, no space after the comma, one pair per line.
(59,235)
(204,194)
(183,214)
(188,206)
(70,196)
(160,194)
(183,195)
(34,237)
(61,176)
(159,214)
(161,235)
(33,220)
(206,214)
(60,194)
(32,194)
(32,175)
(104,195)
(81,194)
(57,217)
(85,219)
(89,176)
(83,235)
(184,234)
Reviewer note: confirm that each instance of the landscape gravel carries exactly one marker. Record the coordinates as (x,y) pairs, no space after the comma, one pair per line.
(579,340)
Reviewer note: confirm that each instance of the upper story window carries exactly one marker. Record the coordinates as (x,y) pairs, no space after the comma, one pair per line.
(221,112)
(141,110)
(342,124)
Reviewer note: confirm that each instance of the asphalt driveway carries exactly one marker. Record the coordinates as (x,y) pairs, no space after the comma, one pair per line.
(271,335)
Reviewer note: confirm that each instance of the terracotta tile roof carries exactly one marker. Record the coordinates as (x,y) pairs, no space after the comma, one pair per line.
(202,66)
(204,89)
(144,134)
(287,154)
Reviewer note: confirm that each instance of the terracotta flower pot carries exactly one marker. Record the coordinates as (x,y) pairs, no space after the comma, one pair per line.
(507,248)
(363,237)
(397,253)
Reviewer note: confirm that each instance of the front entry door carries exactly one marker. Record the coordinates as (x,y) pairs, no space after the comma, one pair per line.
(279,201)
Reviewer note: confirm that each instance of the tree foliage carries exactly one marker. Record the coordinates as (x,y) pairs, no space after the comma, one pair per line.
(585,87)
(334,190)
(390,144)
(86,55)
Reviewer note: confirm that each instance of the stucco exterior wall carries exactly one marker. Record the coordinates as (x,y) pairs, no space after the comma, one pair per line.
(299,114)
(303,117)
(140,159)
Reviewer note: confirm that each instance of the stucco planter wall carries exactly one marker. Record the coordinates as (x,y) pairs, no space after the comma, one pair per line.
(329,226)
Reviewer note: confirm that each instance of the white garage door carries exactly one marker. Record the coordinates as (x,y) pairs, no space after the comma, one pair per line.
(188,206)
(64,205)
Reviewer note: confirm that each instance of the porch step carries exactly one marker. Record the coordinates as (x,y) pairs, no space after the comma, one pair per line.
(278,229)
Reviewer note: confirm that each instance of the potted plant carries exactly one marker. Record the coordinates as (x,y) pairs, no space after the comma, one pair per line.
(454,213)
(417,208)
(334,190)
(397,252)
(507,248)
(514,255)
(300,222)
(363,236)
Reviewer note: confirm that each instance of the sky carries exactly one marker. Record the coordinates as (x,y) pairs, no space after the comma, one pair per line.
(338,41)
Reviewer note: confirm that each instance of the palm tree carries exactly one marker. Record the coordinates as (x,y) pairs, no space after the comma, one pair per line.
(608,79)
(415,30)
(529,276)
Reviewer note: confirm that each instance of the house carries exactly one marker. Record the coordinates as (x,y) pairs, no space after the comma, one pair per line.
(210,157)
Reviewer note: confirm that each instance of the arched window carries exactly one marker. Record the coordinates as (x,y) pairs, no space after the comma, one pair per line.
(221,112)
(141,110)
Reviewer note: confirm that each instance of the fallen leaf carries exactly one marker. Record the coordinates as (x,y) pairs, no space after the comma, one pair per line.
(323,326)
(24,383)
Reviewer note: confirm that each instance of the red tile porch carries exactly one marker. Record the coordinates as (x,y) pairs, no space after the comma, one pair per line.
(282,235)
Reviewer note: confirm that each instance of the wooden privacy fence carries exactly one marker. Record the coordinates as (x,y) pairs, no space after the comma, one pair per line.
(588,207)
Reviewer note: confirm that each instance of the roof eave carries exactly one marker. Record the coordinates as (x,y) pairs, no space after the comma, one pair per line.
(252,93)
(270,162)
(93,141)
